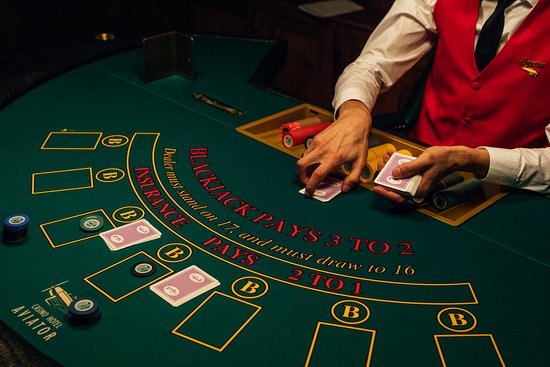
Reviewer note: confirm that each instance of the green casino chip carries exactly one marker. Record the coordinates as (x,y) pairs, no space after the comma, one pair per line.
(143,269)
(91,223)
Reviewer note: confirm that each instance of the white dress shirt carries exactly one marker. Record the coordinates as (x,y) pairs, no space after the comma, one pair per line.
(402,38)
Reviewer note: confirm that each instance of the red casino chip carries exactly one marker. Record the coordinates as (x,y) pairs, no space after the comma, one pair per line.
(298,137)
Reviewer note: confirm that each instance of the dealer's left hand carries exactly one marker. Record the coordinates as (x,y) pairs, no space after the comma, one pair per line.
(434,164)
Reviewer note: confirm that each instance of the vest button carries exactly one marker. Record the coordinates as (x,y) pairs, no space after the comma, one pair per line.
(467,120)
(476,85)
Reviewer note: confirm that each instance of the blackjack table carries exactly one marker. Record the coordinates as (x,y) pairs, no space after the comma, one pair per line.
(354,281)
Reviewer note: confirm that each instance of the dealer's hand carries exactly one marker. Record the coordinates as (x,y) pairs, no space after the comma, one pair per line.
(345,140)
(434,164)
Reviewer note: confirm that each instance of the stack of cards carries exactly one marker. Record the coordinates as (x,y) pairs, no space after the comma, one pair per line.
(405,186)
(130,234)
(184,285)
(327,190)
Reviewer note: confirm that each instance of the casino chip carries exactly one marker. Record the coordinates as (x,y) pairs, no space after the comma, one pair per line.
(288,140)
(143,269)
(84,311)
(15,228)
(91,223)
(346,168)
(308,142)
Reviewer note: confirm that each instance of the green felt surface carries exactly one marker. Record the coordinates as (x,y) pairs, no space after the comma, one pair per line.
(356,280)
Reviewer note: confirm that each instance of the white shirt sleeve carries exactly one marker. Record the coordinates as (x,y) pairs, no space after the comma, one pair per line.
(527,168)
(402,38)
(405,34)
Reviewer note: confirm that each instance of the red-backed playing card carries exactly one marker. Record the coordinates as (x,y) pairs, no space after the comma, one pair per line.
(184,285)
(406,186)
(327,190)
(130,234)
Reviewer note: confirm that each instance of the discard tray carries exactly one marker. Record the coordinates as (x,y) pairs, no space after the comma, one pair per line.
(267,131)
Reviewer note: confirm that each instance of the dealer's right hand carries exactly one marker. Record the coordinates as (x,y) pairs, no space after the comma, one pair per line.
(344,141)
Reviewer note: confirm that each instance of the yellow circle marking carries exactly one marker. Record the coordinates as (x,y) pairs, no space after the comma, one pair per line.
(110,175)
(346,321)
(115,141)
(128,214)
(251,279)
(459,311)
(178,245)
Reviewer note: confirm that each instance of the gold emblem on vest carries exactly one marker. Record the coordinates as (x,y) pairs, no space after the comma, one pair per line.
(531,66)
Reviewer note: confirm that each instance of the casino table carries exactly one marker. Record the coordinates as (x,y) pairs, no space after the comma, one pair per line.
(356,281)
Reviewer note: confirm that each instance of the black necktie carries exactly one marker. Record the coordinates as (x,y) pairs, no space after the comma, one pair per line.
(489,37)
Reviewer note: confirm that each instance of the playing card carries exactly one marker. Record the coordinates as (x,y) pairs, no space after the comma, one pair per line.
(130,234)
(327,190)
(184,285)
(406,186)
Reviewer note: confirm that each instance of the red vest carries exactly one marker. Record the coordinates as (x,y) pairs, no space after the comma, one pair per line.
(507,105)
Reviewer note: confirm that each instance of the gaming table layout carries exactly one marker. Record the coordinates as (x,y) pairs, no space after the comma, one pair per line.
(356,281)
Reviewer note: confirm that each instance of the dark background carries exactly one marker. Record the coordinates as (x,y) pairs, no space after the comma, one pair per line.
(40,39)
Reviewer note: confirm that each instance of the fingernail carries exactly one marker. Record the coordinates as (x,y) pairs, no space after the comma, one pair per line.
(309,192)
(345,188)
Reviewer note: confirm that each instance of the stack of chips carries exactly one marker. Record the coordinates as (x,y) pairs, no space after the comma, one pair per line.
(445,183)
(15,228)
(84,311)
(456,194)
(302,135)
(375,154)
